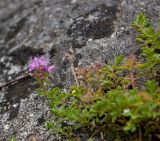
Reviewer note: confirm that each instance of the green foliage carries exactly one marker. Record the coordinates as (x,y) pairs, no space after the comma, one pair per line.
(108,98)
(149,39)
(12,139)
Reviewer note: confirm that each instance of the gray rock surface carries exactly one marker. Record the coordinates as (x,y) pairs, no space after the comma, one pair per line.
(96,30)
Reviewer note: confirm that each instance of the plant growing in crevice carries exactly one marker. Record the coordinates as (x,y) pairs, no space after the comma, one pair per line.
(108,98)
(40,69)
(149,40)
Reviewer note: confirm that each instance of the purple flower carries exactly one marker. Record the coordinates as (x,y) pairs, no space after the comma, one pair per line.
(43,61)
(40,64)
(51,69)
(34,64)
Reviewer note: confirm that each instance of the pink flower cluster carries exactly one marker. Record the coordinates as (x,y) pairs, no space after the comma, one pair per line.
(41,64)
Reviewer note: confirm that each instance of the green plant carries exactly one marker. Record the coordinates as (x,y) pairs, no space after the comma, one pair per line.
(110,110)
(149,39)
(12,139)
(108,98)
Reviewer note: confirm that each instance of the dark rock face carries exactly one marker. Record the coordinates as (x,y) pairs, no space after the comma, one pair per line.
(22,55)
(16,92)
(96,24)
(97,30)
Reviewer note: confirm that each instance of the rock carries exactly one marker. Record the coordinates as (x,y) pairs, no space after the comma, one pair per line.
(96,24)
(96,30)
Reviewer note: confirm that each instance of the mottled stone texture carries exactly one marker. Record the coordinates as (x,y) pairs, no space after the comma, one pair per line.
(97,30)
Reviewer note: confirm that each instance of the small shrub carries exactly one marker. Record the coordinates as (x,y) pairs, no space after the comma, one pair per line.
(108,98)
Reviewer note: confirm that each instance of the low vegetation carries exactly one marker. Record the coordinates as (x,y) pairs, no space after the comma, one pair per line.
(121,98)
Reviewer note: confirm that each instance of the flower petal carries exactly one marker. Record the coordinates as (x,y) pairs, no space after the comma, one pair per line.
(51,68)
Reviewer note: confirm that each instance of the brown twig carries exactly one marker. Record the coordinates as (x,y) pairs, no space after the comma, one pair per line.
(15,81)
(70,56)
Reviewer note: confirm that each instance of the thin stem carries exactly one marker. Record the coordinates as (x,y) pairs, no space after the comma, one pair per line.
(140,134)
(15,81)
(74,74)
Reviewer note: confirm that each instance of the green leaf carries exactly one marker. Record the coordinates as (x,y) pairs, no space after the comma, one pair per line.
(151,86)
(119,60)
(49,125)
(12,139)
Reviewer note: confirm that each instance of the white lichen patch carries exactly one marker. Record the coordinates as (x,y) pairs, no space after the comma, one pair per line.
(14,69)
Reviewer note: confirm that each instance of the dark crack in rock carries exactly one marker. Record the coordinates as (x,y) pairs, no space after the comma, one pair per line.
(10,102)
(22,55)
(96,24)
